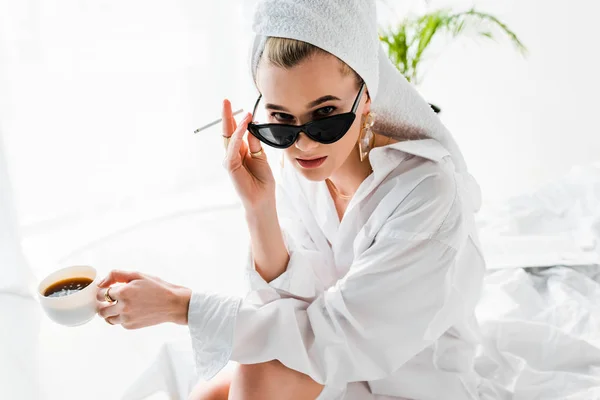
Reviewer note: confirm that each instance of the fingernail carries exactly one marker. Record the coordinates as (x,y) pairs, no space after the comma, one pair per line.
(101,282)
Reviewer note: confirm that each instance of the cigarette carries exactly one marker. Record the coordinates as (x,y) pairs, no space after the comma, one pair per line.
(215,122)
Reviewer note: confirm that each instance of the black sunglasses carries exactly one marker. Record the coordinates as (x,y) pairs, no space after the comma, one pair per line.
(325,130)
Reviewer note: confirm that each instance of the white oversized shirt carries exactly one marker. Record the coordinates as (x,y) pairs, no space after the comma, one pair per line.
(385,296)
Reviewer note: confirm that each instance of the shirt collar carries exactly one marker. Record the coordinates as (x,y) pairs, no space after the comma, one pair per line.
(385,159)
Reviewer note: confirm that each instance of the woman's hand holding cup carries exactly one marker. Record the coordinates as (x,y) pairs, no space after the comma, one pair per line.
(141,300)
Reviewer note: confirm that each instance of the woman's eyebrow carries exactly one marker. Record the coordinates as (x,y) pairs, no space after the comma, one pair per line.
(321,100)
(312,104)
(270,106)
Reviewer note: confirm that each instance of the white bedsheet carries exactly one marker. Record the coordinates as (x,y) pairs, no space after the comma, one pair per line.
(546,322)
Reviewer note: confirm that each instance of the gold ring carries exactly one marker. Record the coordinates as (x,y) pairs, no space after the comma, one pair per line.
(257,154)
(107,296)
(226,140)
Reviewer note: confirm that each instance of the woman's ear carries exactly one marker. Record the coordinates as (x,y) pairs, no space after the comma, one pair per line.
(367,107)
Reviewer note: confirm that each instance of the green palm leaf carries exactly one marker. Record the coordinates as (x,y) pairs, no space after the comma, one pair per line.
(408,42)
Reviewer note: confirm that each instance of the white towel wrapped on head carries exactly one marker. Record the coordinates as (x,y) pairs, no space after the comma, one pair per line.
(348,30)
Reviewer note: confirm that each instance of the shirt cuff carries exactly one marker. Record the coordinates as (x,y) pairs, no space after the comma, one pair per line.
(211,322)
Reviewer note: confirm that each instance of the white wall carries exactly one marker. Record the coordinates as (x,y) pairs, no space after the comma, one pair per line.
(519,121)
(522,121)
(100,101)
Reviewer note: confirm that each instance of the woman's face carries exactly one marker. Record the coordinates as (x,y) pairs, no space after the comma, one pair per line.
(315,88)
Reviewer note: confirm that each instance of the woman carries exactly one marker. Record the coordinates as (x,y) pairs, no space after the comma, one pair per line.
(365,268)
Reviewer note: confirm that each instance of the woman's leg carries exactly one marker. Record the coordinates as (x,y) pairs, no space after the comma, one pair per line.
(216,389)
(271,381)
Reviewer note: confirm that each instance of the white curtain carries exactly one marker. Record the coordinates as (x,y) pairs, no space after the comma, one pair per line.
(103,98)
(98,102)
(19,316)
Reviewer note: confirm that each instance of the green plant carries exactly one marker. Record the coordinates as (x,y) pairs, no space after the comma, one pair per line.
(407,42)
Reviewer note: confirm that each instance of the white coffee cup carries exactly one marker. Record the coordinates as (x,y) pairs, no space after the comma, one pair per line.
(76,308)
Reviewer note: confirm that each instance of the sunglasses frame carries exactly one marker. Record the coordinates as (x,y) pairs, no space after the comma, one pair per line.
(349,117)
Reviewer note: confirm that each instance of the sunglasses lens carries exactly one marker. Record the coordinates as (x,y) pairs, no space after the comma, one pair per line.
(331,129)
(276,136)
(327,130)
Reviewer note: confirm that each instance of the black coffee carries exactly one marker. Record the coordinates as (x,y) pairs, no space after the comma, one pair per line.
(67,287)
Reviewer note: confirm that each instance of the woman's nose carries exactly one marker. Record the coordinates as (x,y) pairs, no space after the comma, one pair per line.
(305,144)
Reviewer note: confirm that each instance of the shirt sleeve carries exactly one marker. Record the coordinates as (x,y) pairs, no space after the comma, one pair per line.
(305,276)
(398,297)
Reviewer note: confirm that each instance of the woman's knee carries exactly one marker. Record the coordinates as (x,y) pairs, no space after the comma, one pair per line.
(251,380)
(216,389)
(260,374)
(209,392)
(271,380)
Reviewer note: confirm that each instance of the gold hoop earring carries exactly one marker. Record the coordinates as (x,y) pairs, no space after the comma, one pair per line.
(367,137)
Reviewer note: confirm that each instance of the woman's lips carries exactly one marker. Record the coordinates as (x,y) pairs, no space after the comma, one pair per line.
(314,163)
